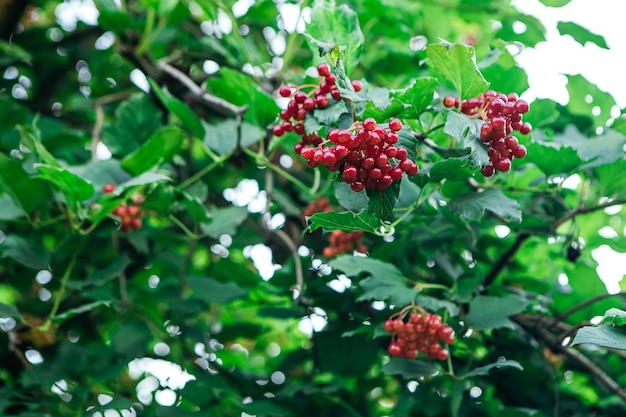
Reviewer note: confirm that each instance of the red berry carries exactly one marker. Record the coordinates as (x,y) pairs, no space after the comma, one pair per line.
(349,174)
(394,349)
(321,101)
(511,142)
(298,147)
(108,188)
(522,107)
(369,124)
(496,105)
(307,153)
(284,91)
(526,128)
(388,326)
(323,69)
(357,85)
(442,354)
(401,154)
(299,97)
(448,101)
(519,152)
(487,170)
(330,79)
(502,165)
(299,129)
(335,94)
(395,125)
(357,186)
(278,130)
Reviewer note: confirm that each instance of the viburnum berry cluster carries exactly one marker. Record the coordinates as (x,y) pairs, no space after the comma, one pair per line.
(339,241)
(365,154)
(421,332)
(502,115)
(130,216)
(344,242)
(301,103)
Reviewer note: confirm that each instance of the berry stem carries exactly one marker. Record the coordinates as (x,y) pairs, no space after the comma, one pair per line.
(204,171)
(263,161)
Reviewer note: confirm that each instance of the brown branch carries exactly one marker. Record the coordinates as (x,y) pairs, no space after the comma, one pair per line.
(542,334)
(522,237)
(447,152)
(96,133)
(584,304)
(584,210)
(216,103)
(505,259)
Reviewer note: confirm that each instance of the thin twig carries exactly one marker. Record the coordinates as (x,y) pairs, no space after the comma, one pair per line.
(96,133)
(584,304)
(505,259)
(216,103)
(447,152)
(585,210)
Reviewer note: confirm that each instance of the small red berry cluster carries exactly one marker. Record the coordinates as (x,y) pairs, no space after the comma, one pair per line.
(365,154)
(339,241)
(301,103)
(342,242)
(130,216)
(421,333)
(502,115)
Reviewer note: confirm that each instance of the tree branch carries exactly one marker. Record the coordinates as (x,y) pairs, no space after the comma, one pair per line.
(584,304)
(216,103)
(505,259)
(584,210)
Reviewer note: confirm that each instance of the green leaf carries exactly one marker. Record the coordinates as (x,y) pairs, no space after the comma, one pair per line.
(472,206)
(452,169)
(488,312)
(599,151)
(390,289)
(136,119)
(188,118)
(435,304)
(382,204)
(195,208)
(31,138)
(485,370)
(24,251)
(8,209)
(380,111)
(160,147)
(211,291)
(355,202)
(555,3)
(266,408)
(467,131)
(27,193)
(580,34)
(418,96)
(74,187)
(543,112)
(337,25)
(457,64)
(10,311)
(346,221)
(66,315)
(409,368)
(344,355)
(611,179)
(605,336)
(587,100)
(615,317)
(144,179)
(534,33)
(502,71)
(331,114)
(553,159)
(225,221)
(353,266)
(239,89)
(12,49)
(222,138)
(408,141)
(385,282)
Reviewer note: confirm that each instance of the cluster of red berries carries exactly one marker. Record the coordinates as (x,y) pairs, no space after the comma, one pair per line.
(301,103)
(343,242)
(365,154)
(421,333)
(130,216)
(339,241)
(502,115)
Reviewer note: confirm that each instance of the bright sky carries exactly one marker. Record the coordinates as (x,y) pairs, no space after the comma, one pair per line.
(546,63)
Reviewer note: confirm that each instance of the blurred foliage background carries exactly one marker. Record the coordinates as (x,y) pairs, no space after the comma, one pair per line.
(221,303)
